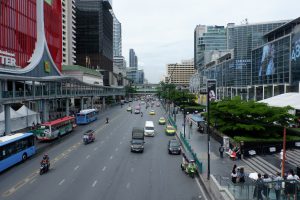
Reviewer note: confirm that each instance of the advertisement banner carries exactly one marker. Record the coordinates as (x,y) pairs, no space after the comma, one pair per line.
(212,89)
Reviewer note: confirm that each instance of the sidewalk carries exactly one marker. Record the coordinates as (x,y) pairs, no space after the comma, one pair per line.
(220,168)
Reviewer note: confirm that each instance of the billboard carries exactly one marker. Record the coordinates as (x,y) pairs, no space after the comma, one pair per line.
(267,61)
(212,89)
(295,54)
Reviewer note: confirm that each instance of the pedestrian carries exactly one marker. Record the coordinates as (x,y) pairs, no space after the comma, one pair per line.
(281,157)
(241,175)
(107,120)
(259,183)
(278,185)
(233,176)
(221,150)
(141,114)
(267,185)
(291,185)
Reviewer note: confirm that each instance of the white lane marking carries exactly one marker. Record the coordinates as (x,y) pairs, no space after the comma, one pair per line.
(197,181)
(88,156)
(76,167)
(104,168)
(32,181)
(116,149)
(111,157)
(61,182)
(96,148)
(128,185)
(94,184)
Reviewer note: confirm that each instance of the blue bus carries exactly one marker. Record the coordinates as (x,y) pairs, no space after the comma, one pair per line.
(15,148)
(86,116)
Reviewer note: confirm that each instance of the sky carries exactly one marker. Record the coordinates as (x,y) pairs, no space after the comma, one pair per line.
(161,31)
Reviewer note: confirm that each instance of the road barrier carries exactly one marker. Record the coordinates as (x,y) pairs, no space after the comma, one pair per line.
(187,145)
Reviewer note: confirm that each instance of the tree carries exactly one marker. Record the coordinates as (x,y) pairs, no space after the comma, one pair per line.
(237,117)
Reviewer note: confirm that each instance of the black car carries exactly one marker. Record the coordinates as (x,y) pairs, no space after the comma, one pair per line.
(174,147)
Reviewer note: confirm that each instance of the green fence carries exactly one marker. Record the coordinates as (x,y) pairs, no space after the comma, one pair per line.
(189,148)
(187,145)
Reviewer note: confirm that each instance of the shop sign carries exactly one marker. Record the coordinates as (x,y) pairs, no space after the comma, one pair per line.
(7,59)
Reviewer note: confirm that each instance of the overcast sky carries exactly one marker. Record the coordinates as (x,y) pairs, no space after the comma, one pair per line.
(161,31)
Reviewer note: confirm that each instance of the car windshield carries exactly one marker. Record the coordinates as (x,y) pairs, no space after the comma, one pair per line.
(149,128)
(137,142)
(171,128)
(162,119)
(174,144)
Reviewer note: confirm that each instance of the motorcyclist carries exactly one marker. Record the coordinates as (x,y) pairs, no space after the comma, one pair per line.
(141,114)
(107,120)
(46,161)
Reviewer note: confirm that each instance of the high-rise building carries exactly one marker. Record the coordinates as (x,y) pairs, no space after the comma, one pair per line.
(117,36)
(180,73)
(208,41)
(94,36)
(133,60)
(260,64)
(68,32)
(135,75)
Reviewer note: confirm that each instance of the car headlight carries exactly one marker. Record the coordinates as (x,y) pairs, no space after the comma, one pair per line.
(131,146)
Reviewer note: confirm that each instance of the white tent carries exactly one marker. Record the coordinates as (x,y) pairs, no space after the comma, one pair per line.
(30,116)
(19,119)
(282,100)
(16,121)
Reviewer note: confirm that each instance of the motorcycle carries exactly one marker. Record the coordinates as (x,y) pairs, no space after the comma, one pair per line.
(44,168)
(188,165)
(88,138)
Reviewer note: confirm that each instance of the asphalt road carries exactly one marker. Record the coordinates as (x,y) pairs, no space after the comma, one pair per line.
(105,169)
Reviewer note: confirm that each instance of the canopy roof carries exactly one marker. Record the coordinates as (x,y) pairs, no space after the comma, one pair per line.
(282,100)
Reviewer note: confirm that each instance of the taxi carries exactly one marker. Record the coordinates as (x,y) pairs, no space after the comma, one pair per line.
(170,130)
(152,112)
(162,121)
(129,109)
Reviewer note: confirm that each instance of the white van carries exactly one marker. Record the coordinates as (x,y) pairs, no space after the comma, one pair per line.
(149,129)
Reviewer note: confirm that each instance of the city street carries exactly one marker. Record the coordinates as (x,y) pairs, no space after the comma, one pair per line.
(105,169)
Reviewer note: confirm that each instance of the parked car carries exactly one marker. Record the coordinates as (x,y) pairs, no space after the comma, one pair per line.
(174,147)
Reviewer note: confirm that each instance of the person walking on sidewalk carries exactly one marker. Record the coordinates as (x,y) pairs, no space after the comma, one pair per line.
(221,150)
(278,185)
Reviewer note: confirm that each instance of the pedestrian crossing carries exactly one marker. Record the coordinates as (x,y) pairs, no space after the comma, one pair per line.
(292,157)
(262,164)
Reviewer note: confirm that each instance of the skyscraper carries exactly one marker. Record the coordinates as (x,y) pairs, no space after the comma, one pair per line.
(95,36)
(208,41)
(133,60)
(117,36)
(68,32)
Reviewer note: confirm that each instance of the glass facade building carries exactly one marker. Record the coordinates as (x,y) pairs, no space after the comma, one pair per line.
(265,61)
(207,40)
(94,38)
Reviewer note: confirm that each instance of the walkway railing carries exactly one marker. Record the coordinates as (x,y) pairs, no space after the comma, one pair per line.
(187,145)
